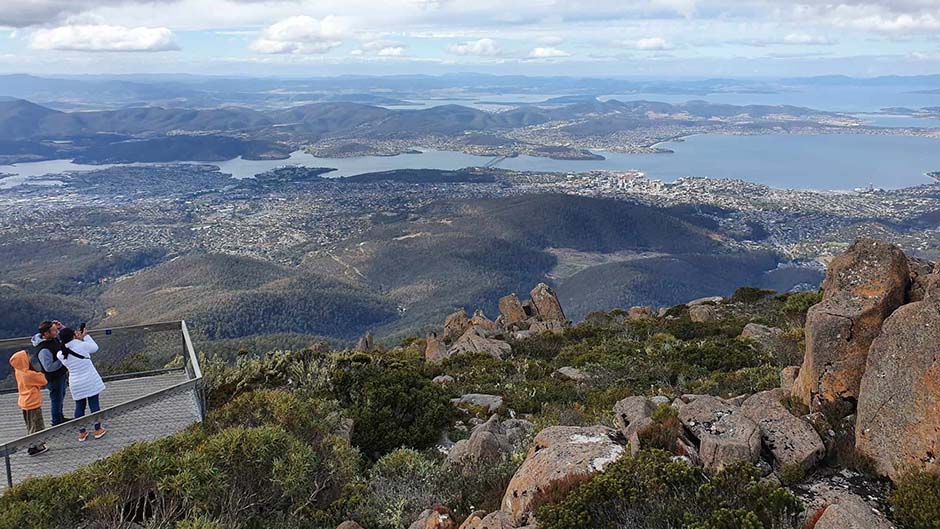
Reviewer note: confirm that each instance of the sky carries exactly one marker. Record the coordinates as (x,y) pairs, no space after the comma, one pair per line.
(609,38)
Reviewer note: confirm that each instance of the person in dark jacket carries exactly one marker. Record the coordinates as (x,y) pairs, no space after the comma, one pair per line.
(47,345)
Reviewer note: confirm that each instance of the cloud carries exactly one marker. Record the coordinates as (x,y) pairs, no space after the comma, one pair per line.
(302,35)
(103,38)
(550,40)
(652,43)
(479,48)
(547,53)
(394,51)
(806,39)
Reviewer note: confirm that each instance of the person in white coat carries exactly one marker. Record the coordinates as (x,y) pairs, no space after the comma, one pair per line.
(85,383)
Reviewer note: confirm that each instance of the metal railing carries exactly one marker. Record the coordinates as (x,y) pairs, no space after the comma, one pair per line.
(193,385)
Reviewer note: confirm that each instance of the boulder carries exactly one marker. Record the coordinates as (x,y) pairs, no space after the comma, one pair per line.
(547,306)
(475,341)
(660,399)
(480,320)
(455,326)
(920,273)
(436,518)
(640,313)
(517,430)
(632,415)
(851,512)
(492,403)
(366,343)
(552,326)
(703,313)
(443,380)
(558,454)
(496,520)
(761,333)
(790,439)
(435,351)
(898,421)
(788,376)
(473,521)
(705,301)
(512,310)
(573,373)
(349,524)
(862,288)
(725,435)
(487,442)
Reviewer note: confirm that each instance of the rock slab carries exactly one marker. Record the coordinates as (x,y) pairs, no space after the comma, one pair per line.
(862,288)
(898,422)
(789,438)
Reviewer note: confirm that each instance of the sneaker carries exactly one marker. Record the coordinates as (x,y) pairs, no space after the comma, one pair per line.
(82,437)
(99,433)
(41,449)
(31,451)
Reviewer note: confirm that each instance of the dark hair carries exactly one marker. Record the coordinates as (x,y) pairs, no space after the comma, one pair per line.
(45,326)
(66,335)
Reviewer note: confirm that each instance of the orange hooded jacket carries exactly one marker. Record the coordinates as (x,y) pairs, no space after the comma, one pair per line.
(28,382)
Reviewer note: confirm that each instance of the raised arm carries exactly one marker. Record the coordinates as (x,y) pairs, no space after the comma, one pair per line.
(84,347)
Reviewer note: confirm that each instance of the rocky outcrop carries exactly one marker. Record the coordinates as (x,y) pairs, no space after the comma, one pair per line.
(435,351)
(455,326)
(475,341)
(436,518)
(349,524)
(572,373)
(473,521)
(366,343)
(488,442)
(547,306)
(496,520)
(851,512)
(632,415)
(480,320)
(725,435)
(920,273)
(703,313)
(862,288)
(552,326)
(640,313)
(790,439)
(558,454)
(705,301)
(788,376)
(512,310)
(491,403)
(898,422)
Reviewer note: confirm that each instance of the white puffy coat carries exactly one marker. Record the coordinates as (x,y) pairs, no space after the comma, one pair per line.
(84,380)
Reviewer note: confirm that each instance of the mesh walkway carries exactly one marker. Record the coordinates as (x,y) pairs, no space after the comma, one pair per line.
(136,407)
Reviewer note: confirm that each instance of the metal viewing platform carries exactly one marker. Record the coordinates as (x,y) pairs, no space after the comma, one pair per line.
(137,406)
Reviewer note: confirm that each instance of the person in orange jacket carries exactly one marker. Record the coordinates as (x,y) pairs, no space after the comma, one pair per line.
(29,383)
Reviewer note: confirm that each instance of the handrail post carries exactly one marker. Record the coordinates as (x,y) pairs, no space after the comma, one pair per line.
(9,469)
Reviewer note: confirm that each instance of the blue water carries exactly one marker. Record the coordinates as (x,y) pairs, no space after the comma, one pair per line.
(826,162)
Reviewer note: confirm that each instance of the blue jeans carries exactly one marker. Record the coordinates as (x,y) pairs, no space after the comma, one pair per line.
(57,398)
(93,405)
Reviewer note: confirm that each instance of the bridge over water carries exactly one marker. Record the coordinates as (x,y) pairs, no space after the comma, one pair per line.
(143,401)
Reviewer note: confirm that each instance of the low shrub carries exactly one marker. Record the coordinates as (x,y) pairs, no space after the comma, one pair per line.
(653,491)
(916,501)
(664,431)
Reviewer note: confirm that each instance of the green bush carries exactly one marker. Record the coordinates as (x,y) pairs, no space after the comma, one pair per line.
(916,501)
(400,486)
(653,491)
(392,407)
(664,431)
(310,420)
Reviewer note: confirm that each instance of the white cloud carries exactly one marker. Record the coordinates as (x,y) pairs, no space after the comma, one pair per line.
(480,48)
(103,38)
(302,35)
(395,51)
(652,43)
(548,53)
(806,39)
